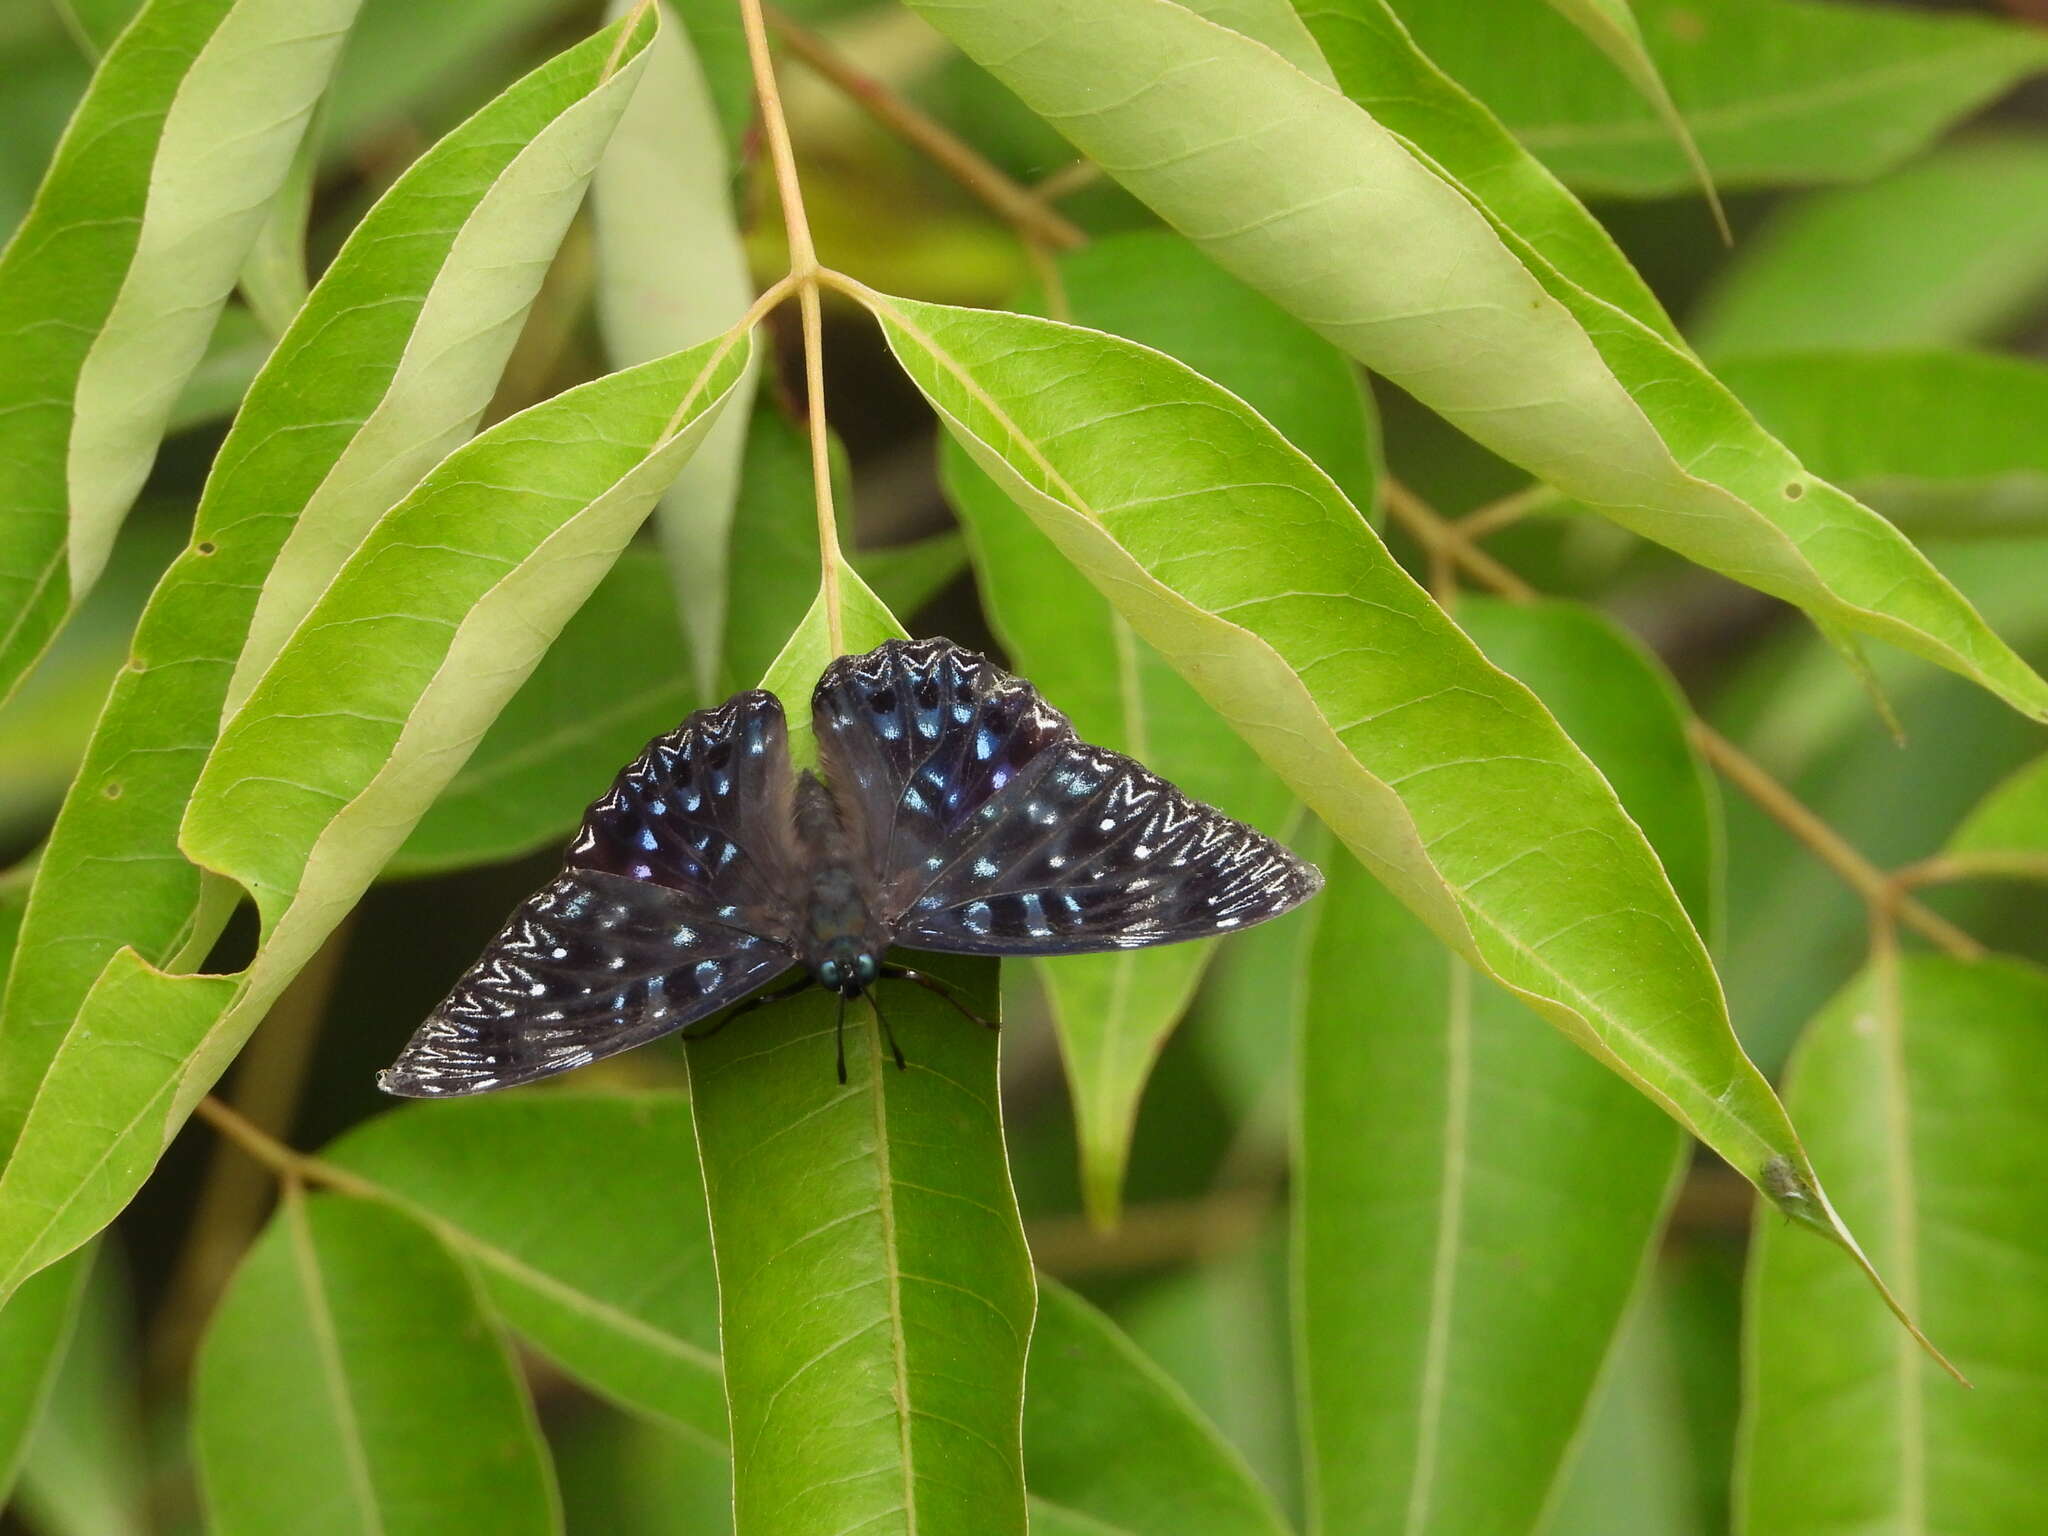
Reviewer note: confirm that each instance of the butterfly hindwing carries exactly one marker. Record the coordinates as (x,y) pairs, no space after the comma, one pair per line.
(677,900)
(993,829)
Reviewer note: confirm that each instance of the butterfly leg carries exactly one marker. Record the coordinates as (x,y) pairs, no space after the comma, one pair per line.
(839,1039)
(888,1034)
(780,994)
(938,988)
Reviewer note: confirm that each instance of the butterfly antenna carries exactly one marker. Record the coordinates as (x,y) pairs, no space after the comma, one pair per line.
(938,988)
(888,1034)
(839,1039)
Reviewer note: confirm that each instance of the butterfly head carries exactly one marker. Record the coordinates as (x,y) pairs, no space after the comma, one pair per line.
(847,969)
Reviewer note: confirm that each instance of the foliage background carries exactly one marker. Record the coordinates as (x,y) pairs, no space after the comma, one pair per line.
(1885,172)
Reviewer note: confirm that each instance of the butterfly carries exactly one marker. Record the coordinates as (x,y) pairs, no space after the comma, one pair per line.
(958,812)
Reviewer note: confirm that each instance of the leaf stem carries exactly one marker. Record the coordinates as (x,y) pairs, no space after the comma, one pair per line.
(1033,218)
(803,268)
(1881,892)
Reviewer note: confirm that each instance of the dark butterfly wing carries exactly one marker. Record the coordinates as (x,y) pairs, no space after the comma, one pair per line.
(591,965)
(990,828)
(675,902)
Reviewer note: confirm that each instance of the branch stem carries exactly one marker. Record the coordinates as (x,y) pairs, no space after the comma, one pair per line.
(803,268)
(1018,205)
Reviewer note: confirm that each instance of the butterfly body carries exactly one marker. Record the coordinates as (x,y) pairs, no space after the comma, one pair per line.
(956,812)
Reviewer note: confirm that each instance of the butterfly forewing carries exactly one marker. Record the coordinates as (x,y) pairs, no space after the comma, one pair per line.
(677,899)
(992,829)
(590,965)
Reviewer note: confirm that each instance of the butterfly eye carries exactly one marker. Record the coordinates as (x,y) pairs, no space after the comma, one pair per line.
(865,970)
(829,976)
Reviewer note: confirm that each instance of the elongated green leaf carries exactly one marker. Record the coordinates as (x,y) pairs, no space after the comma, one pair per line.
(670,270)
(611,1278)
(352,1382)
(387,368)
(1378,66)
(405,61)
(1942,443)
(2007,834)
(35,1329)
(109,288)
(1114,1011)
(1611,26)
(611,681)
(1454,1302)
(1268,172)
(87,1471)
(582,1216)
(364,717)
(1925,1089)
(875,1296)
(1448,779)
(1949,250)
(1775,91)
(1115,1447)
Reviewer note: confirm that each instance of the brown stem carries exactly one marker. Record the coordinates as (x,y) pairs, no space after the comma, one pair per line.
(1506,511)
(1066,181)
(1439,536)
(1018,205)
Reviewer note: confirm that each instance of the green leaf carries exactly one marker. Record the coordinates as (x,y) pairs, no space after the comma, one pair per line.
(1611,26)
(352,1381)
(1445,776)
(609,683)
(1942,443)
(111,285)
(2007,834)
(671,270)
(875,1296)
(1114,1011)
(366,714)
(35,1330)
(1925,1087)
(1116,1449)
(388,367)
(1269,172)
(613,1282)
(1775,91)
(406,62)
(87,1471)
(1455,1303)
(1380,68)
(1949,250)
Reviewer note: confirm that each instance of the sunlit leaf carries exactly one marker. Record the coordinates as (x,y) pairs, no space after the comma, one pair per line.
(368,711)
(1379,67)
(1775,91)
(1269,172)
(1114,1011)
(111,285)
(387,368)
(352,1381)
(612,680)
(1923,1090)
(1449,779)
